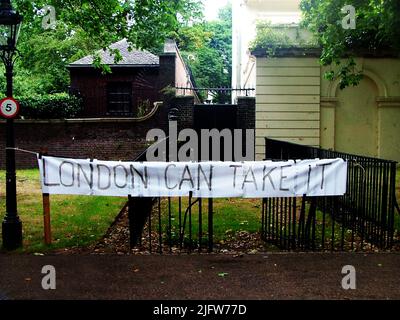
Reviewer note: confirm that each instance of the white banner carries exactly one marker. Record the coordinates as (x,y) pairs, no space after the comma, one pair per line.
(262,179)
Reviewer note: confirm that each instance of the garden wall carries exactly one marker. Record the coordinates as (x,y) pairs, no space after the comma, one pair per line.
(103,139)
(97,139)
(295,103)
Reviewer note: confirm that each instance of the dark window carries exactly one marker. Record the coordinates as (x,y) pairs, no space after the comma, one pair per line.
(119,95)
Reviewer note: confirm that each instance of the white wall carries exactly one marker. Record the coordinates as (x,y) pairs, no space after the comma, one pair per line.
(288,101)
(296,103)
(245,15)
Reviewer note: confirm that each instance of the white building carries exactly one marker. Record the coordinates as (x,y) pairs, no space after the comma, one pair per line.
(296,103)
(245,14)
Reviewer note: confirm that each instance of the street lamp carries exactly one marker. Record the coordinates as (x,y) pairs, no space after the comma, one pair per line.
(10,23)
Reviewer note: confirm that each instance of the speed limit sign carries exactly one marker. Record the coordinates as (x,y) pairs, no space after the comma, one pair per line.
(9,108)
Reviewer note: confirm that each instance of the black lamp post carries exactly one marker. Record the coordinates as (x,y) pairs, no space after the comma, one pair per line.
(10,23)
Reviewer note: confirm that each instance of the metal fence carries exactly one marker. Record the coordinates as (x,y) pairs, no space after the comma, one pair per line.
(172,224)
(362,219)
(160,225)
(221,95)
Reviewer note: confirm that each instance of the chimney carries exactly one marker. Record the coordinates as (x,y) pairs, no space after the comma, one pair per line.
(170,46)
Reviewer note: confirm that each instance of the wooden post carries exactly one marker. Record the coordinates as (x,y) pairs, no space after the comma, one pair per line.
(46,210)
(46,217)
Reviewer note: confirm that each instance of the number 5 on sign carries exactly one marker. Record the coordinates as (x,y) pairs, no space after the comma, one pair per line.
(9,108)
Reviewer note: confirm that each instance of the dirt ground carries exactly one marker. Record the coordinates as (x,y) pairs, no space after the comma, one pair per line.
(201,277)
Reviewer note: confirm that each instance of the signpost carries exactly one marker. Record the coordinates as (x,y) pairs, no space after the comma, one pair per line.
(12,225)
(9,108)
(10,24)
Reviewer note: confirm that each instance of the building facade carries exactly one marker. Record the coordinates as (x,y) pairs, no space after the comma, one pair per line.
(245,15)
(296,103)
(134,84)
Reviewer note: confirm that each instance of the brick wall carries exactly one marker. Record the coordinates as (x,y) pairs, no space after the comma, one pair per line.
(92,86)
(104,139)
(147,84)
(100,139)
(246,117)
(246,113)
(185,106)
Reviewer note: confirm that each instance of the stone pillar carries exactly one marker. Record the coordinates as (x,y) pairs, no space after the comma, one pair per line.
(246,113)
(246,119)
(185,111)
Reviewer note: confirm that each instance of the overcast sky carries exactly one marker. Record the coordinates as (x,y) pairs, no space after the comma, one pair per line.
(212,7)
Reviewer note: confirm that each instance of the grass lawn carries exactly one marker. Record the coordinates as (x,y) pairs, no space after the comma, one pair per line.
(77,221)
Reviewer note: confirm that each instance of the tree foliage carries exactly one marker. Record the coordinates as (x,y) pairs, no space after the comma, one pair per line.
(84,26)
(145,23)
(270,38)
(207,49)
(376,33)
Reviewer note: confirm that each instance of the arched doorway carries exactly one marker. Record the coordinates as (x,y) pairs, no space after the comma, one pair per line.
(356,123)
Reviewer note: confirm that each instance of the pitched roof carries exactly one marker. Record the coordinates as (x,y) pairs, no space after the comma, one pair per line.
(129,58)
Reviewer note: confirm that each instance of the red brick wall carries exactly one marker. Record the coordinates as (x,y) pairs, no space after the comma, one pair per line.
(103,140)
(92,86)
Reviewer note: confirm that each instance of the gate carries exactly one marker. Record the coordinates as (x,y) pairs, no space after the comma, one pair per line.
(215,117)
(172,224)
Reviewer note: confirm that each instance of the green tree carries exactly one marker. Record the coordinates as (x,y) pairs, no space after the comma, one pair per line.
(145,23)
(376,32)
(207,49)
(44,57)
(84,26)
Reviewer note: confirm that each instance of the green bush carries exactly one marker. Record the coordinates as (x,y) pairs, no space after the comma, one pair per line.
(273,37)
(51,106)
(269,36)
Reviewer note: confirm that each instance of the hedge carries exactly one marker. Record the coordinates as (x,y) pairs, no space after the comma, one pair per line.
(51,106)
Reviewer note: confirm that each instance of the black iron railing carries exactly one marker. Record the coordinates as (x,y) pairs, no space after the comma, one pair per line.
(183,224)
(221,95)
(170,224)
(362,219)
